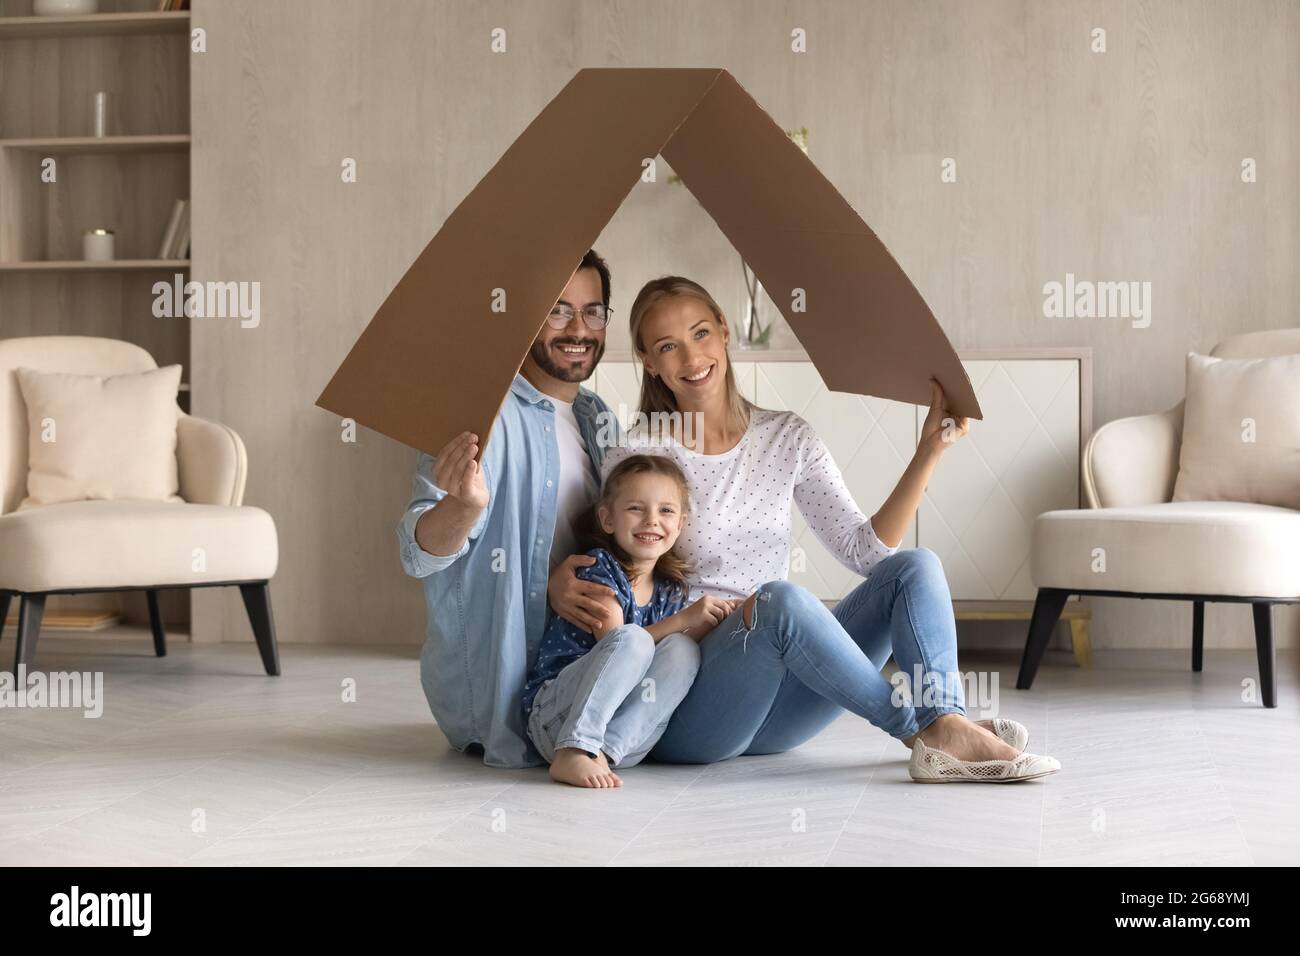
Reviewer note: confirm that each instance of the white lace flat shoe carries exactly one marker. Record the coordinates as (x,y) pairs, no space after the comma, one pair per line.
(936,766)
(1012,732)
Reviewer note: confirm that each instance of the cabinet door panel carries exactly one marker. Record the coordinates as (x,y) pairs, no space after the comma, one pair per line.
(1021,460)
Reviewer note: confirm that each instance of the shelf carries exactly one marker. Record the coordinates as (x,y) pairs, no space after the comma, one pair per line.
(96,24)
(83,621)
(78,265)
(152,143)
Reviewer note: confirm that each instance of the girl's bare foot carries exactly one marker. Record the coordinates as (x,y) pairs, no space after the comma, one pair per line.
(576,768)
(960,737)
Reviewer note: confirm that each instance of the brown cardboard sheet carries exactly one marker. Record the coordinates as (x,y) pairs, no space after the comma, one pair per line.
(436,359)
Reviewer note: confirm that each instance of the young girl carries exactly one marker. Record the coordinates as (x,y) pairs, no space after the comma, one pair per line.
(602,700)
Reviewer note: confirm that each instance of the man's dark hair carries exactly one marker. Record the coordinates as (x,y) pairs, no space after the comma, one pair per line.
(592,260)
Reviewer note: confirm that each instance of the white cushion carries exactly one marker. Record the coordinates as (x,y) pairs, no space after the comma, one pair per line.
(121,544)
(1191,547)
(1241,431)
(100,437)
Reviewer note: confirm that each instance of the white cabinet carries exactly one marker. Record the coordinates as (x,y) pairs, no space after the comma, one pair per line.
(1021,460)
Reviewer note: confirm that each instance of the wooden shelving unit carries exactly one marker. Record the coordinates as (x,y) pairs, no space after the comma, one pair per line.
(50,70)
(81,265)
(62,145)
(95,24)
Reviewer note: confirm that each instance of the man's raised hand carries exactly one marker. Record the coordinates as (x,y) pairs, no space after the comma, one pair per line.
(457,472)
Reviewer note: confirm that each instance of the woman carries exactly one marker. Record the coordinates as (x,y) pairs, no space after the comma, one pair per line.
(782,666)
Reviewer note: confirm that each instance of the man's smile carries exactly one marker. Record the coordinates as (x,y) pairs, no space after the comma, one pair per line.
(573,351)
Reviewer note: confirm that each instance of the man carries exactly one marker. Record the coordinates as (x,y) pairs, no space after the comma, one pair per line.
(485,536)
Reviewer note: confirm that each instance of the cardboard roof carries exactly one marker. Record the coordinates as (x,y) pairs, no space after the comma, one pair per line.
(436,360)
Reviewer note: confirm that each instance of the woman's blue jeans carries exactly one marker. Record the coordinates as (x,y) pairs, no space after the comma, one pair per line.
(776,685)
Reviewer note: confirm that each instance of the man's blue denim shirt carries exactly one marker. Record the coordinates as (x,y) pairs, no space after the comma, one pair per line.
(487,602)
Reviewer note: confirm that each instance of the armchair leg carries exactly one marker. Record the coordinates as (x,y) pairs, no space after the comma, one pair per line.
(1047,611)
(257,600)
(1265,651)
(5,597)
(30,612)
(156,623)
(1198,635)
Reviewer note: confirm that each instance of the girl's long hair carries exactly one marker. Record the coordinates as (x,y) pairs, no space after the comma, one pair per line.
(671,566)
(655,395)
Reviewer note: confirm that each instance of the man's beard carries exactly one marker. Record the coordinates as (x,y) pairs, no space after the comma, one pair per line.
(541,354)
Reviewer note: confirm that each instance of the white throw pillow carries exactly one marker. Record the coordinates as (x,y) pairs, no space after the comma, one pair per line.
(100,437)
(1241,431)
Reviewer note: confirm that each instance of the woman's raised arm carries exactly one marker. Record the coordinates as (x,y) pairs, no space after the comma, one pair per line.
(940,430)
(828,506)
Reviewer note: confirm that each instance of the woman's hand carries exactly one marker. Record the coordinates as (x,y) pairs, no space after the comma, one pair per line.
(703,616)
(942,428)
(585,604)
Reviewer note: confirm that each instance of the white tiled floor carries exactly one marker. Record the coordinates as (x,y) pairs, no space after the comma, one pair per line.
(1160,766)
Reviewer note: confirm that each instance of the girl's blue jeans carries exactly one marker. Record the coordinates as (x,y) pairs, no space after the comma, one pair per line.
(617,697)
(770,687)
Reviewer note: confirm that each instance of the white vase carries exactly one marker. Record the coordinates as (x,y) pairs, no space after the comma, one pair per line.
(64,8)
(97,245)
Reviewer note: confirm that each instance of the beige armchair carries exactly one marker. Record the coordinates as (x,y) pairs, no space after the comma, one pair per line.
(128,545)
(1150,546)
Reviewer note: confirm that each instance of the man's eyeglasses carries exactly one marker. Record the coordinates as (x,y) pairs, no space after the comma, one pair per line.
(594,316)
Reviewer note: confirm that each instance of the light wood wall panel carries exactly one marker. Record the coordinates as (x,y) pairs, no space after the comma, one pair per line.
(1122,165)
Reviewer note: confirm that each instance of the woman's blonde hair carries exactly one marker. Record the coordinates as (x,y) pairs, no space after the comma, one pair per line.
(655,395)
(671,566)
